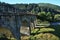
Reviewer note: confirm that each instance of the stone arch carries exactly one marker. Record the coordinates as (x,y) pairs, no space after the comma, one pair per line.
(24,23)
(25,19)
(24,29)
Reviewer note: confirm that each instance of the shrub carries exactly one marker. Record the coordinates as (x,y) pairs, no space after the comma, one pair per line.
(46,36)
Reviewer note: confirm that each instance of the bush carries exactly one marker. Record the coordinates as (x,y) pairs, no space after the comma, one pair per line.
(46,29)
(46,36)
(37,31)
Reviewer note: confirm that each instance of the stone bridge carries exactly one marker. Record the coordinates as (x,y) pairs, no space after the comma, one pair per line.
(12,19)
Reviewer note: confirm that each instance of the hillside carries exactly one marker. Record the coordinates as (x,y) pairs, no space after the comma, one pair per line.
(49,10)
(46,13)
(35,8)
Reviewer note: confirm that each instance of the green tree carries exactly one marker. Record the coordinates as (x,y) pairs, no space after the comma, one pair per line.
(57,17)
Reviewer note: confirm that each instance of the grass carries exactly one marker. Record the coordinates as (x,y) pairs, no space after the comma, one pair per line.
(41,35)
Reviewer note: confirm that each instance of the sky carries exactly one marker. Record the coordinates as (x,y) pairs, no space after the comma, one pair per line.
(56,2)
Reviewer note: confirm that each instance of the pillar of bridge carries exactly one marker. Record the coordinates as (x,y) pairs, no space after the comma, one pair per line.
(15,27)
